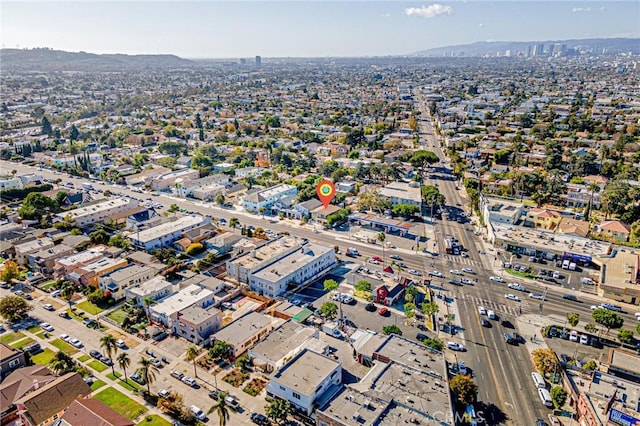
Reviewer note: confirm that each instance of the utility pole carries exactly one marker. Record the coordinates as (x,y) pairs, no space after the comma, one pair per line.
(544,297)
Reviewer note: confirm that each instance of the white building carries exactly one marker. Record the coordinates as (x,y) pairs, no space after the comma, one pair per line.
(307,378)
(496,210)
(167,233)
(310,262)
(249,171)
(266,198)
(166,312)
(155,288)
(281,345)
(403,193)
(187,186)
(168,179)
(11,183)
(99,212)
(119,281)
(239,268)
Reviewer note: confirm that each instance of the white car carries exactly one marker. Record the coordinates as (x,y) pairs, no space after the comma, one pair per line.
(468,271)
(455,346)
(414,272)
(48,307)
(573,336)
(455,272)
(163,393)
(466,281)
(65,337)
(482,310)
(464,254)
(75,342)
(120,343)
(584,339)
(345,298)
(515,286)
(512,297)
(496,279)
(462,368)
(189,380)
(536,296)
(46,326)
(197,412)
(436,274)
(374,262)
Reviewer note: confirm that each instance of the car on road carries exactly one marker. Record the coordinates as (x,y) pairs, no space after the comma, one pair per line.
(462,368)
(383,311)
(414,272)
(395,257)
(485,322)
(75,342)
(536,296)
(177,374)
(571,297)
(455,346)
(64,314)
(515,286)
(48,307)
(518,338)
(436,274)
(378,258)
(46,326)
(401,265)
(455,282)
(468,271)
(260,419)
(466,281)
(95,354)
(370,307)
(455,272)
(374,261)
(512,297)
(232,402)
(482,310)
(496,279)
(163,393)
(611,307)
(65,337)
(189,381)
(508,338)
(584,339)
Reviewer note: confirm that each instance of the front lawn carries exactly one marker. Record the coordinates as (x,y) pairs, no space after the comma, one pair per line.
(114,377)
(120,402)
(43,357)
(98,366)
(22,343)
(34,329)
(97,384)
(255,386)
(11,337)
(130,385)
(83,358)
(520,274)
(236,377)
(118,315)
(154,420)
(89,307)
(64,346)
(41,334)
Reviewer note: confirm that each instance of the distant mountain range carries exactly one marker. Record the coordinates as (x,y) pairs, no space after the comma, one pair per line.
(43,59)
(607,46)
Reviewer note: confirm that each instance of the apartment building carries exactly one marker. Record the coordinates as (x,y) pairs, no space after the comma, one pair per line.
(245,332)
(166,311)
(168,180)
(90,273)
(305,380)
(155,289)
(99,212)
(33,246)
(167,233)
(197,324)
(68,264)
(44,260)
(543,218)
(281,345)
(239,268)
(11,183)
(117,282)
(266,198)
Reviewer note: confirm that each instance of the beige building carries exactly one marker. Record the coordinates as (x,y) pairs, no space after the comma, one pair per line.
(197,324)
(245,332)
(99,212)
(33,246)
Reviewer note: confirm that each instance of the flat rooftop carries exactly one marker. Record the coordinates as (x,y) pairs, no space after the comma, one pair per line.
(402,190)
(197,315)
(621,269)
(102,264)
(167,228)
(416,355)
(282,340)
(292,262)
(34,245)
(243,328)
(130,271)
(82,257)
(156,283)
(547,241)
(355,408)
(305,372)
(275,190)
(265,252)
(104,206)
(182,299)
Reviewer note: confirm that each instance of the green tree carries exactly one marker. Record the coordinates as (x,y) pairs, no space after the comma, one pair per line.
(405,210)
(590,365)
(422,159)
(67,291)
(409,309)
(192,354)
(391,329)
(35,205)
(14,308)
(74,134)
(434,343)
(118,240)
(625,335)
(46,128)
(558,396)
(9,271)
(61,363)
(382,237)
(590,328)
(219,350)
(99,236)
(328,310)
(108,343)
(221,409)
(278,410)
(607,318)
(573,319)
(147,372)
(124,362)
(363,285)
(465,388)
(429,308)
(233,222)
(220,199)
(242,362)
(330,285)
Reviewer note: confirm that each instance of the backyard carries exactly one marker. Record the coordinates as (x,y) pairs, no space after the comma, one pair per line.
(120,402)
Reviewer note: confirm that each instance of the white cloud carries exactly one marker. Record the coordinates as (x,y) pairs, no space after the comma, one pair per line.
(581,10)
(602,8)
(386,15)
(480,25)
(429,11)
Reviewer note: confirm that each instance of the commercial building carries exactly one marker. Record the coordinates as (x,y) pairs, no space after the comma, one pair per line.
(117,282)
(155,289)
(502,211)
(245,332)
(166,234)
(620,275)
(403,193)
(166,312)
(98,212)
(307,381)
(197,324)
(266,198)
(311,261)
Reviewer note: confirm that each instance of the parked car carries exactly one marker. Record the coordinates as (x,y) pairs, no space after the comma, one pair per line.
(75,342)
(198,413)
(120,343)
(189,381)
(584,339)
(462,368)
(260,419)
(468,271)
(48,307)
(536,296)
(65,337)
(232,402)
(573,336)
(370,307)
(177,374)
(395,257)
(383,311)
(496,279)
(156,363)
(46,326)
(137,378)
(455,346)
(95,354)
(512,297)
(163,393)
(106,361)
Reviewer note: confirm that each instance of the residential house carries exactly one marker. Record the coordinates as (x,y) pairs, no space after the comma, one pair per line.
(69,264)
(10,359)
(306,381)
(196,324)
(166,311)
(222,243)
(146,175)
(403,193)
(281,345)
(33,246)
(184,161)
(240,267)
(346,186)
(188,186)
(17,384)
(93,412)
(48,403)
(195,235)
(615,229)
(304,209)
(570,226)
(99,212)
(168,180)
(266,198)
(167,233)
(44,261)
(155,288)
(543,218)
(245,332)
(90,273)
(249,171)
(321,213)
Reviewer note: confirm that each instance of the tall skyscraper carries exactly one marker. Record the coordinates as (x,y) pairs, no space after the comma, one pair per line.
(258,61)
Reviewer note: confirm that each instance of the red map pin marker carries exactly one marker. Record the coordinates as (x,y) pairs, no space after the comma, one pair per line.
(326,190)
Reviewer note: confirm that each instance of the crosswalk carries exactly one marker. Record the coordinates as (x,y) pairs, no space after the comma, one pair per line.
(461,260)
(513,308)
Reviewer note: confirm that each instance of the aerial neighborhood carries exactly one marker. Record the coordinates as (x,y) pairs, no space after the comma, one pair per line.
(166,257)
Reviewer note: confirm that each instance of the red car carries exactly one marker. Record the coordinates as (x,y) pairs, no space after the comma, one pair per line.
(383,311)
(378,258)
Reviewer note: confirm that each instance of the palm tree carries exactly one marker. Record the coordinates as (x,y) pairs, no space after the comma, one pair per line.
(381,237)
(192,353)
(124,361)
(67,291)
(221,408)
(147,372)
(233,222)
(147,301)
(108,343)
(61,363)
(593,188)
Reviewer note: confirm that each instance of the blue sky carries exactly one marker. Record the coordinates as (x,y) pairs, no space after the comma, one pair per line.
(231,29)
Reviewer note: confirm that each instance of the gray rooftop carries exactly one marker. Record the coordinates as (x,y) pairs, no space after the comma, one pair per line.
(292,262)
(243,328)
(283,340)
(196,315)
(305,372)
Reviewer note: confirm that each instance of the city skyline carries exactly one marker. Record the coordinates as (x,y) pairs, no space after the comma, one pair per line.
(303,29)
